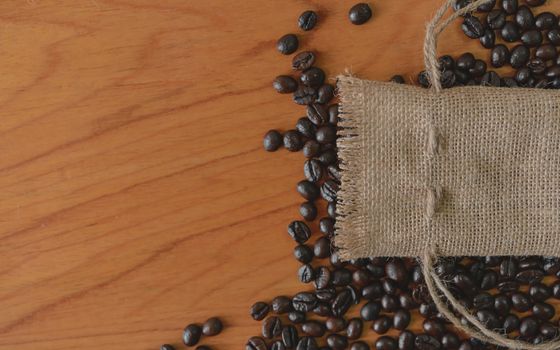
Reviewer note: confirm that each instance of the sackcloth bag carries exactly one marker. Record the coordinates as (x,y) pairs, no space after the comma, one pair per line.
(465,171)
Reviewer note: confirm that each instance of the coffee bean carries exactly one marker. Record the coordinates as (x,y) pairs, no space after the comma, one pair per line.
(463,281)
(406,340)
(488,38)
(313,170)
(308,190)
(311,148)
(296,317)
(307,343)
(406,301)
(306,273)
(335,324)
(489,318)
(534,3)
(303,60)
(328,157)
(483,301)
(337,342)
(322,309)
(326,134)
(428,310)
(382,324)
(259,310)
(489,280)
(277,345)
(322,250)
(450,341)
(359,345)
(203,347)
(472,27)
(465,61)
(370,311)
(284,84)
(329,190)
(510,32)
(306,127)
(546,52)
(536,66)
(519,56)
(326,226)
(313,77)
(389,303)
(510,6)
(521,302)
(313,328)
(496,19)
(325,93)
(359,13)
(508,286)
(272,327)
(486,7)
(553,36)
(341,303)
(305,95)
(307,20)
(333,114)
(341,277)
(256,343)
(399,79)
(288,44)
(502,305)
(290,337)
(372,291)
(423,79)
(308,211)
(167,347)
(433,327)
(272,141)
(191,334)
(293,141)
(212,326)
(499,56)
(532,38)
(317,114)
(426,342)
(546,20)
(396,271)
(508,268)
(281,305)
(385,343)
(543,311)
(401,319)
(511,323)
(299,231)
(529,327)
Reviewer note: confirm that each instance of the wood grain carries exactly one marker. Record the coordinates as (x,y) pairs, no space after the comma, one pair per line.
(135,195)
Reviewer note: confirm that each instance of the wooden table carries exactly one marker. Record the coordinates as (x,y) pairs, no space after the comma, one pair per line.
(135,193)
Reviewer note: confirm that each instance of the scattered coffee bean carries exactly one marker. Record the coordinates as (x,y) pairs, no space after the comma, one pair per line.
(472,27)
(288,44)
(212,326)
(360,13)
(307,20)
(191,334)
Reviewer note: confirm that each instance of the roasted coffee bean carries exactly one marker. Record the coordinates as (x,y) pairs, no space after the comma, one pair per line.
(256,343)
(313,328)
(326,226)
(523,75)
(333,113)
(167,347)
(277,345)
(472,27)
(450,341)
(335,324)
(299,231)
(521,302)
(372,291)
(489,280)
(546,20)
(488,318)
(399,79)
(524,18)
(341,277)
(508,286)
(433,327)
(308,211)
(546,52)
(341,303)
(385,343)
(396,270)
(305,95)
(483,301)
(308,190)
(465,61)
(360,13)
(296,317)
(303,253)
(420,294)
(486,7)
(510,6)
(307,343)
(288,44)
(259,310)
(272,327)
(553,36)
(290,337)
(488,38)
(355,328)
(382,324)
(361,277)
(543,311)
(406,301)
(535,2)
(337,342)
(406,340)
(529,327)
(510,32)
(536,66)
(272,141)
(539,292)
(464,282)
(329,190)
(370,311)
(328,157)
(306,127)
(304,301)
(313,77)
(551,265)
(317,114)
(191,334)
(313,170)
(496,19)
(511,323)
(307,20)
(321,250)
(530,262)
(509,268)
(325,93)
(212,326)
(502,305)
(519,56)
(322,309)
(311,148)
(426,342)
(326,134)
(284,84)
(533,275)
(281,305)
(428,310)
(389,303)
(401,319)
(322,277)
(303,60)
(499,56)
(306,273)
(359,345)
(293,141)
(532,38)
(334,172)
(423,79)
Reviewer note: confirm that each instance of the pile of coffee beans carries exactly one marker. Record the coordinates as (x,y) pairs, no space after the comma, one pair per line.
(194,332)
(348,301)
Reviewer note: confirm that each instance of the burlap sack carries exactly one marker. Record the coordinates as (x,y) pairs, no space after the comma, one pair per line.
(464,171)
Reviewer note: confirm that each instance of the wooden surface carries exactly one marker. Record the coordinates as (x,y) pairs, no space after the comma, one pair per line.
(135,195)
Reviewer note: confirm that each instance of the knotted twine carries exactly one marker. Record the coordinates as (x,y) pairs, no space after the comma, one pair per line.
(462,171)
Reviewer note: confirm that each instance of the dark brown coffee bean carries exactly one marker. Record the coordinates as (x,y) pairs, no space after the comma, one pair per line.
(360,13)
(284,84)
(496,19)
(335,324)
(326,294)
(553,36)
(290,337)
(472,27)
(406,301)
(398,79)
(489,280)
(523,75)
(465,61)
(313,170)
(326,134)
(317,114)
(521,302)
(486,7)
(529,327)
(322,277)
(406,340)
(308,190)
(401,319)
(396,270)
(499,56)
(543,311)
(546,20)
(530,276)
(313,328)
(488,39)
(293,141)
(272,141)
(488,318)
(304,301)
(328,157)
(325,93)
(502,305)
(508,286)
(313,77)
(341,303)
(281,305)
(277,345)
(510,6)
(372,291)
(509,268)
(288,44)
(307,343)
(546,52)
(272,327)
(510,32)
(450,341)
(299,231)
(361,277)
(191,334)
(305,95)
(341,277)
(337,342)
(303,60)
(385,343)
(303,253)
(296,317)
(212,326)
(464,282)
(537,66)
(519,56)
(433,327)
(307,20)
(259,310)
(359,345)
(511,323)
(354,328)
(389,303)
(329,190)
(524,18)
(306,274)
(382,324)
(326,226)
(540,292)
(532,38)
(311,148)
(322,250)
(306,127)
(426,342)
(308,211)
(256,343)
(483,301)
(534,3)
(167,347)
(333,114)
(370,311)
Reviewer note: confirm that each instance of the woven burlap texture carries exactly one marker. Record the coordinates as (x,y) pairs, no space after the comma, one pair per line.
(469,170)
